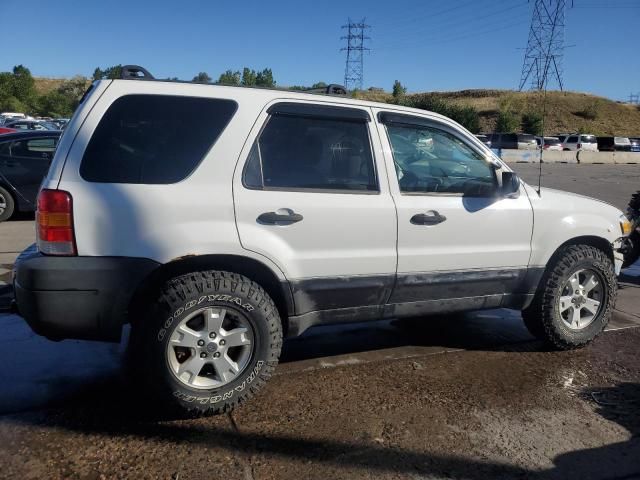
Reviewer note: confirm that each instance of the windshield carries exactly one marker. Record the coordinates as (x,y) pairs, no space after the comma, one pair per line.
(588,139)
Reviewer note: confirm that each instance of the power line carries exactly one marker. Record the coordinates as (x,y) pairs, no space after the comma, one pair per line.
(545,47)
(453,25)
(354,66)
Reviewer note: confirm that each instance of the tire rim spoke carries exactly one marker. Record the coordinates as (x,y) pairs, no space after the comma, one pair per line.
(237,337)
(592,305)
(565,303)
(590,283)
(214,318)
(226,368)
(183,336)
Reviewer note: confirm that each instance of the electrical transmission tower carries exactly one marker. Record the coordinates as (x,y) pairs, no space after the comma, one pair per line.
(355,37)
(634,99)
(545,47)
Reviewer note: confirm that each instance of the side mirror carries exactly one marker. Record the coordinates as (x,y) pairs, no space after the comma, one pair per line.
(510,184)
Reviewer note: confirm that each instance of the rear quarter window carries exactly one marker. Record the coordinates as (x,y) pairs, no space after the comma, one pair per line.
(154,139)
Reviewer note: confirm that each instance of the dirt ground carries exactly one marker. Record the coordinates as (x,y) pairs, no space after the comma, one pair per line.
(516,412)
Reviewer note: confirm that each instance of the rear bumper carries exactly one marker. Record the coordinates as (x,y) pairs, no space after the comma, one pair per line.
(77,297)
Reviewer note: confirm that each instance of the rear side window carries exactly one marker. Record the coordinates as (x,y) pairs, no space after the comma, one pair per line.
(306,153)
(154,139)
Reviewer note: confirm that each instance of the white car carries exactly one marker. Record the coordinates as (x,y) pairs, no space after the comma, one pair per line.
(577,142)
(277,211)
(550,143)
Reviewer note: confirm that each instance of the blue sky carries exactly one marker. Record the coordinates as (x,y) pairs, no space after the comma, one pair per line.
(428,45)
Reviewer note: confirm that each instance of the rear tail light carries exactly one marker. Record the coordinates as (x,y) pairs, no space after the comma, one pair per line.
(54,223)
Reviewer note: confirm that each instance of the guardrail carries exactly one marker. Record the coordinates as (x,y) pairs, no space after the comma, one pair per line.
(582,157)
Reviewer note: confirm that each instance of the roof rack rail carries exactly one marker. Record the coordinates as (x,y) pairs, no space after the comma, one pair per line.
(333,89)
(135,72)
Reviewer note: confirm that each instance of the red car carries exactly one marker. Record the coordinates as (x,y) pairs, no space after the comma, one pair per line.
(7,130)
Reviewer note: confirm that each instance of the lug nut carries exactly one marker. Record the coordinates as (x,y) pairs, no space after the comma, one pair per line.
(200,343)
(203,355)
(222,342)
(217,354)
(212,335)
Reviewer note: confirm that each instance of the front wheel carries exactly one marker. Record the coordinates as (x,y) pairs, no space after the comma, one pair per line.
(209,342)
(575,299)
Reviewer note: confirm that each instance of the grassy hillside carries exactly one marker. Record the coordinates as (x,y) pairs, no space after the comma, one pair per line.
(565,111)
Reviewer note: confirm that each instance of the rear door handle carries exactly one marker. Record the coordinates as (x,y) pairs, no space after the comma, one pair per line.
(282,216)
(431,217)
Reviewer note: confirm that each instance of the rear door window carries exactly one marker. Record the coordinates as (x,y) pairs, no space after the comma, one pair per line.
(154,139)
(315,152)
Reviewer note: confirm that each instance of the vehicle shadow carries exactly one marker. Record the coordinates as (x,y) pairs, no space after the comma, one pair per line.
(489,330)
(619,404)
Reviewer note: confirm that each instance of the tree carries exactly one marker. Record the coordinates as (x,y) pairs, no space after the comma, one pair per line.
(398,89)
(229,78)
(74,89)
(507,121)
(319,85)
(265,78)
(249,77)
(23,84)
(532,123)
(108,73)
(202,77)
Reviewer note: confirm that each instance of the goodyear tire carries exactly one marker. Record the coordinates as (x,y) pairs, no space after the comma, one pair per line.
(575,299)
(209,342)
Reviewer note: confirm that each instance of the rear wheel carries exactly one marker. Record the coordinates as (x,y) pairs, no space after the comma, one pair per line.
(575,299)
(209,343)
(7,205)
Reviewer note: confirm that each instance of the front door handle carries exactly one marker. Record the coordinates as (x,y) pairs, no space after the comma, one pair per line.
(282,216)
(431,217)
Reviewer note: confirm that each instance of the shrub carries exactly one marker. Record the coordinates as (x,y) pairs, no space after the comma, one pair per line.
(468,117)
(507,121)
(532,123)
(590,112)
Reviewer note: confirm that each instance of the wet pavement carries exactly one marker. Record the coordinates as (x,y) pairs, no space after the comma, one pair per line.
(461,396)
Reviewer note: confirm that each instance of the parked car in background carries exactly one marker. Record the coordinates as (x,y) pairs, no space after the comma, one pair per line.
(484,139)
(550,143)
(60,122)
(576,142)
(7,117)
(517,141)
(635,144)
(614,144)
(4,130)
(31,125)
(24,162)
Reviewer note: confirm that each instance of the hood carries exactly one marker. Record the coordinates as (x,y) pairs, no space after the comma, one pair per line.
(554,193)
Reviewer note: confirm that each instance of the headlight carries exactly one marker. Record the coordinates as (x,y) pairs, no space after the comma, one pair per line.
(625,225)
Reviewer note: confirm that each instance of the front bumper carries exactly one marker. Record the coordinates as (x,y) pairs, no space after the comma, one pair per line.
(77,297)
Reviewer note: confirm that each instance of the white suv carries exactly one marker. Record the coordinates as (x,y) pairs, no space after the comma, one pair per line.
(577,142)
(270,211)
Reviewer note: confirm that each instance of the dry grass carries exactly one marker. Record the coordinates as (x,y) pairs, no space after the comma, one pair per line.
(565,111)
